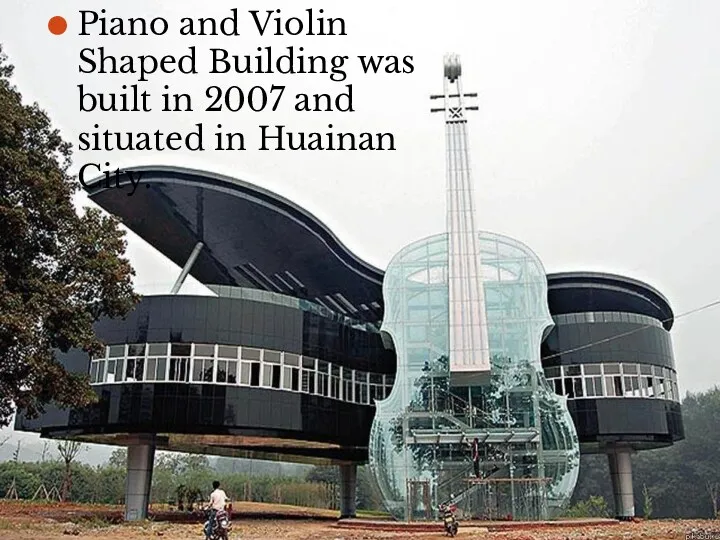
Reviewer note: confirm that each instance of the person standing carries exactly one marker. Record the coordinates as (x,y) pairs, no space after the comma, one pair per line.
(475,449)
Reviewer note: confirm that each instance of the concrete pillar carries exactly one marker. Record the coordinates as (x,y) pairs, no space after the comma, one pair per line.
(621,478)
(140,459)
(348,490)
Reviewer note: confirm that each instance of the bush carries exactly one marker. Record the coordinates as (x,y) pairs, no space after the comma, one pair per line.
(593,507)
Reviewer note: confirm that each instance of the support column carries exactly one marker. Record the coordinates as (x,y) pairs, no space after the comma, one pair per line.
(621,478)
(348,490)
(186,269)
(139,479)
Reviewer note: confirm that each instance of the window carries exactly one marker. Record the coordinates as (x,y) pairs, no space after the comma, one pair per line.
(361,387)
(116,351)
(611,369)
(135,367)
(203,369)
(291,378)
(308,375)
(322,378)
(157,363)
(227,371)
(223,351)
(96,371)
(271,369)
(376,387)
(155,369)
(224,364)
(594,386)
(111,369)
(389,381)
(179,369)
(334,382)
(592,369)
(347,378)
(249,366)
(552,372)
(291,372)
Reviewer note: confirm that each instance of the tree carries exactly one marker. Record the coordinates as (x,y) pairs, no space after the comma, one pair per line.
(60,271)
(68,452)
(118,458)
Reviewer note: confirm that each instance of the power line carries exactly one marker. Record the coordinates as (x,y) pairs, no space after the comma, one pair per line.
(633,331)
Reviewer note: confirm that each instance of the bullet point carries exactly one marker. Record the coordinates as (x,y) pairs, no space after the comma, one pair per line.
(57,25)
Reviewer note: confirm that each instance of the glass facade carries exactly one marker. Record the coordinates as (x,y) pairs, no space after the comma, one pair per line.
(425,433)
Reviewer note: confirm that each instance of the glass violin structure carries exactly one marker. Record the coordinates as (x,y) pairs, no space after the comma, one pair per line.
(471,419)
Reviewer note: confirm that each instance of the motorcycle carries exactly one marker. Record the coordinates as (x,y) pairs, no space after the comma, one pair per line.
(220,527)
(448,517)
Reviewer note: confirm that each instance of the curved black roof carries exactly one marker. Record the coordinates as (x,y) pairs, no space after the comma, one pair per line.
(576,292)
(255,238)
(252,237)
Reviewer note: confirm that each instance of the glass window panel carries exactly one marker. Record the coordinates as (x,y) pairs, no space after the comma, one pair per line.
(592,369)
(151,369)
(657,371)
(244,373)
(272,356)
(578,387)
(571,370)
(93,371)
(645,369)
(291,359)
(204,350)
(136,349)
(558,387)
(179,368)
(287,378)
(116,351)
(161,369)
(308,381)
(308,362)
(335,370)
(134,369)
(255,374)
(417,333)
(111,367)
(197,370)
(552,372)
(225,351)
(628,386)
(250,354)
(157,349)
(630,369)
(180,349)
(322,366)
(598,386)
(617,381)
(221,371)
(208,367)
(611,369)
(231,367)
(569,390)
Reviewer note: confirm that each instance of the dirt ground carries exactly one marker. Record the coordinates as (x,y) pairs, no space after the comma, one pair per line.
(19,521)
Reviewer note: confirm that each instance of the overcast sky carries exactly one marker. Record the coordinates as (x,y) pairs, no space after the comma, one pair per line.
(596,142)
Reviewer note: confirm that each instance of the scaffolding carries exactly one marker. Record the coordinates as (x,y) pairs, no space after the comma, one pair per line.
(523,499)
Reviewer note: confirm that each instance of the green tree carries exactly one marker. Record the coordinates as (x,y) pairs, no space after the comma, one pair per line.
(60,271)
(118,458)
